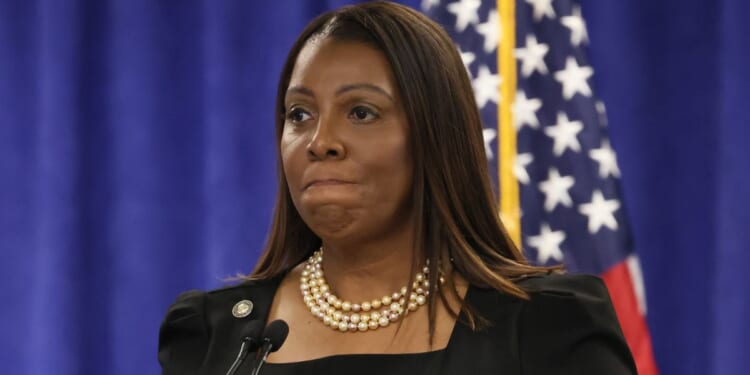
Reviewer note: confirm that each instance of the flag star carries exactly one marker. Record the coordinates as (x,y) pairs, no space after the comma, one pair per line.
(428,4)
(542,8)
(467,58)
(577,27)
(490,30)
(607,160)
(564,134)
(600,212)
(489,135)
(547,244)
(519,167)
(486,86)
(601,110)
(573,78)
(466,13)
(532,56)
(524,111)
(555,190)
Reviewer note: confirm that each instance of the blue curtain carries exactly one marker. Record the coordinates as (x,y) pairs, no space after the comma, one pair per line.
(137,161)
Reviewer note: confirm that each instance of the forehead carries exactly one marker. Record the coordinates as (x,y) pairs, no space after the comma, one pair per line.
(326,64)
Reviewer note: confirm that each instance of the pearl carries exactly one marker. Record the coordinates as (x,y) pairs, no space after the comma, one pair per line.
(395,306)
(335,313)
(343,326)
(384,321)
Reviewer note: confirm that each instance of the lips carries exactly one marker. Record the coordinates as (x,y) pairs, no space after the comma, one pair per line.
(326,182)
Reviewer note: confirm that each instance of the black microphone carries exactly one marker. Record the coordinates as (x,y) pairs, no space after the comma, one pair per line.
(273,338)
(250,342)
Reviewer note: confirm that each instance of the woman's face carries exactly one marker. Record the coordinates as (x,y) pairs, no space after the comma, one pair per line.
(345,143)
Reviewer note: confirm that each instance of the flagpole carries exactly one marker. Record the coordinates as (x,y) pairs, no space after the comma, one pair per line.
(510,211)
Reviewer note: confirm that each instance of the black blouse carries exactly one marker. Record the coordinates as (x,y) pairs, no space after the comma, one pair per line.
(567,327)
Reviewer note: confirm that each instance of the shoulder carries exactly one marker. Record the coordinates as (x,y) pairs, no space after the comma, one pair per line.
(196,317)
(565,287)
(569,323)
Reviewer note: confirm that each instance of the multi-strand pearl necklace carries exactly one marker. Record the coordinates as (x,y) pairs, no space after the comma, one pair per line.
(353,317)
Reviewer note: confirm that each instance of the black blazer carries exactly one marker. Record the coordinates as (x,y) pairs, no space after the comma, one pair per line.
(567,327)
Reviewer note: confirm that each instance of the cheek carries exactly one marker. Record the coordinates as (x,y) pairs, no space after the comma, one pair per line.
(292,155)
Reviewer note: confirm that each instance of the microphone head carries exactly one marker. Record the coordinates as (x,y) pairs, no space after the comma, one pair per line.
(252,333)
(275,334)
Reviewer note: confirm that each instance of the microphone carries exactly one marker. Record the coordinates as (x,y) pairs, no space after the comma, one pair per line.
(273,337)
(250,342)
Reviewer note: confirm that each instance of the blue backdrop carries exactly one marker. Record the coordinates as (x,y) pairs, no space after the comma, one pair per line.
(136,161)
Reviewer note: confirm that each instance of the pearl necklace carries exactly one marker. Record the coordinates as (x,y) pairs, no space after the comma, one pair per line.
(352,317)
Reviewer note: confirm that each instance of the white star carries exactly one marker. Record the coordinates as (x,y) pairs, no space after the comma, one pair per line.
(519,167)
(542,8)
(555,190)
(577,27)
(489,135)
(573,78)
(486,86)
(607,160)
(428,4)
(467,58)
(532,56)
(601,110)
(600,212)
(547,244)
(564,134)
(524,111)
(466,13)
(490,30)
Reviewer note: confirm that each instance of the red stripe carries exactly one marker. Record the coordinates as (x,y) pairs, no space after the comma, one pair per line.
(633,324)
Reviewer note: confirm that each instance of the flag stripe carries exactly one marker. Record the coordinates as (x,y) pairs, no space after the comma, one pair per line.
(620,284)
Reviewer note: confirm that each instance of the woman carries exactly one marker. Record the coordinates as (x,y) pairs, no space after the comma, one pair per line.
(386,254)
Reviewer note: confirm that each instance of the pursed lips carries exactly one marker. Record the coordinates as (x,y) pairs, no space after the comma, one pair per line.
(326,182)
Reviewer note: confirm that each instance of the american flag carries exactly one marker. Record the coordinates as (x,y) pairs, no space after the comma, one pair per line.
(562,164)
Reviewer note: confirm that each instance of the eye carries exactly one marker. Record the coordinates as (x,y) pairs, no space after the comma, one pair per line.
(297,115)
(363,114)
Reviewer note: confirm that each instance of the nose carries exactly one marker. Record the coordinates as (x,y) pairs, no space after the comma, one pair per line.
(325,143)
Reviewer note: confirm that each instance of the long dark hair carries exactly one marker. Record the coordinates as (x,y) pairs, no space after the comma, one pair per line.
(457,225)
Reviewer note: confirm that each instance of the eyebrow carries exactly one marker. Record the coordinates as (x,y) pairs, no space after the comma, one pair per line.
(342,90)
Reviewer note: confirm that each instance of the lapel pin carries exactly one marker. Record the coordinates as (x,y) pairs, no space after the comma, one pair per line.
(242,308)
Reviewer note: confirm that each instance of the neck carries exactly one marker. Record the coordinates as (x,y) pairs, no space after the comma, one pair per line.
(369,270)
